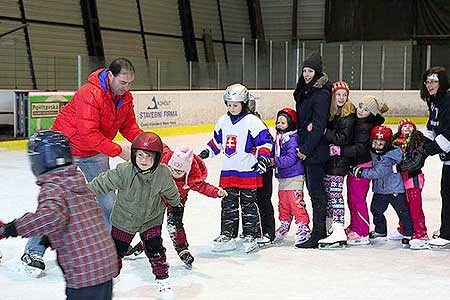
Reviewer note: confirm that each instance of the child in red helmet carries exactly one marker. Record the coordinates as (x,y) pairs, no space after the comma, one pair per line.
(291,177)
(387,186)
(141,184)
(409,139)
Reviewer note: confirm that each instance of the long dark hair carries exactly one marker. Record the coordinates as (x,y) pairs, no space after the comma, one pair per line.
(444,84)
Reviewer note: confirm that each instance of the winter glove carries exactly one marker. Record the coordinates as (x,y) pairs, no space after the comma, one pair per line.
(335,150)
(7,230)
(356,171)
(45,241)
(262,165)
(204,154)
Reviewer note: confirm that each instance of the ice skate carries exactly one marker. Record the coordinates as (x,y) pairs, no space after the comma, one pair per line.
(224,243)
(376,235)
(250,244)
(303,233)
(135,251)
(337,239)
(405,241)
(439,243)
(419,244)
(396,235)
(355,239)
(32,264)
(165,290)
(187,258)
(282,231)
(264,241)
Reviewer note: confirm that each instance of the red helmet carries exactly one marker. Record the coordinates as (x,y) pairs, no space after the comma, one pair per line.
(147,141)
(381,132)
(292,117)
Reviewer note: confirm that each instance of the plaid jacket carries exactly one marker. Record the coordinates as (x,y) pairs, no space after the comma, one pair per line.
(70,216)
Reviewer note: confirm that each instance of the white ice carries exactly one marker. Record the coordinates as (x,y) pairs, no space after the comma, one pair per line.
(382,271)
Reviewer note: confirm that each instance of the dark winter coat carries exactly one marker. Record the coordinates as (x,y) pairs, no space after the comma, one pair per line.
(340,133)
(196,177)
(438,126)
(313,106)
(413,159)
(359,151)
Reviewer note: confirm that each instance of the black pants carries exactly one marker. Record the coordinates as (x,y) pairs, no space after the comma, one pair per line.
(251,224)
(380,203)
(445,195)
(101,291)
(264,200)
(315,174)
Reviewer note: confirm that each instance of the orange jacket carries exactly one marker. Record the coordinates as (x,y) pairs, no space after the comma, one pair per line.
(92,118)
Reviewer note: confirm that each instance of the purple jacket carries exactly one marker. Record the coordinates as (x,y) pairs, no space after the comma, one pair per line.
(287,163)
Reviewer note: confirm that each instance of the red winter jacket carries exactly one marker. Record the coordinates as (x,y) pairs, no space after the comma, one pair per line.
(92,118)
(196,177)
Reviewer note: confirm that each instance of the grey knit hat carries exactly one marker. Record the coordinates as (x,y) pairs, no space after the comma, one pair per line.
(372,104)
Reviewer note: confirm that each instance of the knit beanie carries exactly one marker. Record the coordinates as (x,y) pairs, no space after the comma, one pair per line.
(340,85)
(182,160)
(372,104)
(313,61)
(404,122)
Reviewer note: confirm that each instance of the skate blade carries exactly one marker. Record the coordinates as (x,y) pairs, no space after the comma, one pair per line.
(337,245)
(251,248)
(443,247)
(221,250)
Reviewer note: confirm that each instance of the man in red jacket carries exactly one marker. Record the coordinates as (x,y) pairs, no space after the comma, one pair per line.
(97,112)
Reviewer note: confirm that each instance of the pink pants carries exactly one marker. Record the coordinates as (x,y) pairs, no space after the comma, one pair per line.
(357,189)
(291,204)
(414,202)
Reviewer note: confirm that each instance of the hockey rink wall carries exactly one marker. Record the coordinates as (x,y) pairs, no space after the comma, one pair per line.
(174,109)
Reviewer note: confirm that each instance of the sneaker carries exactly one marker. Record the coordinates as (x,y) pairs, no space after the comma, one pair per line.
(419,244)
(250,244)
(396,235)
(355,239)
(165,290)
(282,231)
(303,233)
(375,235)
(33,264)
(224,243)
(187,258)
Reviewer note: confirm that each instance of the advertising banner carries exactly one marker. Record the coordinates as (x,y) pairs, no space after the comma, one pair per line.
(44,107)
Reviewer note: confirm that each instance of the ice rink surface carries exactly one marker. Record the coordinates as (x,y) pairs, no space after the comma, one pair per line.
(383,270)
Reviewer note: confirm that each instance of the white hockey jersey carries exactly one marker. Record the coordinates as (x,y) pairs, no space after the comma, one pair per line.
(238,141)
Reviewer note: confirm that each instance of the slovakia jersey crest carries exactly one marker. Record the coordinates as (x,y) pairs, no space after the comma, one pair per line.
(230,145)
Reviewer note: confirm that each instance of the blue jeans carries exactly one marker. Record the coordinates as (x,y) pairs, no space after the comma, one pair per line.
(91,167)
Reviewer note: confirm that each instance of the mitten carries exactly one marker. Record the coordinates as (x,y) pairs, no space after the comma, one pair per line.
(261,166)
(204,154)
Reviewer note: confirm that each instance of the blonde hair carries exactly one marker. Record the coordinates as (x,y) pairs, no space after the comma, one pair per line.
(347,109)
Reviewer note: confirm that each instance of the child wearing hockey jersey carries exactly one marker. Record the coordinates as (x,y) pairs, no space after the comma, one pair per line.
(409,139)
(291,177)
(189,172)
(236,134)
(368,115)
(387,186)
(339,133)
(70,216)
(141,184)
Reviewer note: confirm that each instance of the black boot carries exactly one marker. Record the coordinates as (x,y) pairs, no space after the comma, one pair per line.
(319,205)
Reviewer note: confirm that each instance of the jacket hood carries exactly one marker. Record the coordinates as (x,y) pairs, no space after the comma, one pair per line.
(322,82)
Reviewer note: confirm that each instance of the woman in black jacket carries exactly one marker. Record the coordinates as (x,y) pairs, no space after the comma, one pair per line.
(436,92)
(368,113)
(312,97)
(339,133)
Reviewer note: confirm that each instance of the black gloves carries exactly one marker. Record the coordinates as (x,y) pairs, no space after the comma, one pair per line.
(262,165)
(356,171)
(204,154)
(7,230)
(431,148)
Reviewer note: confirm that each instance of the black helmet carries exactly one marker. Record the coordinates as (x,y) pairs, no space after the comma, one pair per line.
(48,149)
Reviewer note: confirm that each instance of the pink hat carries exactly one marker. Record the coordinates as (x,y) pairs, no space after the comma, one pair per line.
(182,160)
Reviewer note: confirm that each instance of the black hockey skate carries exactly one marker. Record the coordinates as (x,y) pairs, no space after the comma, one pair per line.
(187,258)
(33,264)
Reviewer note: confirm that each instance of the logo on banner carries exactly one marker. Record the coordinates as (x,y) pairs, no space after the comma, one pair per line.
(154,104)
(230,145)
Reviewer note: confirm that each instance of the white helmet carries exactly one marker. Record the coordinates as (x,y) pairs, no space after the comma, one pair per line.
(236,93)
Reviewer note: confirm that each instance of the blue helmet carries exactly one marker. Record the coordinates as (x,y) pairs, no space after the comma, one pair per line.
(48,149)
